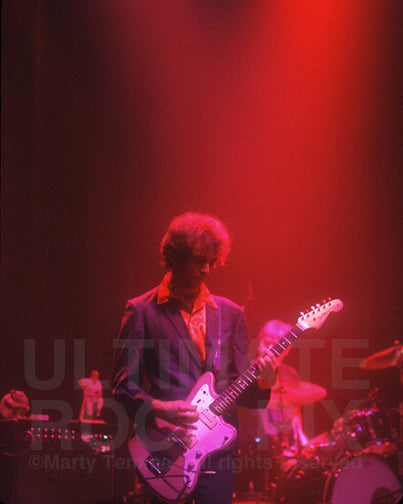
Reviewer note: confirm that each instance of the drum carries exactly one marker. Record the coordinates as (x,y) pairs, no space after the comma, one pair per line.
(364,479)
(364,431)
(361,479)
(324,448)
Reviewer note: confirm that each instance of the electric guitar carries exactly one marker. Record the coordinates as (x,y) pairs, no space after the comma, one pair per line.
(169,459)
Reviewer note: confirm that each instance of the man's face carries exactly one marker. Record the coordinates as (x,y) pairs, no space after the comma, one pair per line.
(266,343)
(194,271)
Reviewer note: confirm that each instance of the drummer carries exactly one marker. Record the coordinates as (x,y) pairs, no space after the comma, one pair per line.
(282,425)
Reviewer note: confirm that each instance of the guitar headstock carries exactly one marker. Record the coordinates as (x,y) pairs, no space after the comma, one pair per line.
(318,314)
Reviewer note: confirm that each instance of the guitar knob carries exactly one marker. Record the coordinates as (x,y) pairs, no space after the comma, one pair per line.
(198,454)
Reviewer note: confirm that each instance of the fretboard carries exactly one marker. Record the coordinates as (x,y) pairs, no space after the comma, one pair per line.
(237,387)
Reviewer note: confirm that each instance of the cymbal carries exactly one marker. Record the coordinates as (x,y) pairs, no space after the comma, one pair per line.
(295,393)
(390,357)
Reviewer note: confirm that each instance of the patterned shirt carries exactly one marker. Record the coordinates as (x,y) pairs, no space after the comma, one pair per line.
(195,320)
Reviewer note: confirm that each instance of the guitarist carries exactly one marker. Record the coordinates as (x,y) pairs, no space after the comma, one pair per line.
(174,333)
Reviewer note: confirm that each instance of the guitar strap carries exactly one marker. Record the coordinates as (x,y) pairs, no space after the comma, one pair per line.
(217,356)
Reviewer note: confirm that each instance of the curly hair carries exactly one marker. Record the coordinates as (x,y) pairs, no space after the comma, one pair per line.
(195,234)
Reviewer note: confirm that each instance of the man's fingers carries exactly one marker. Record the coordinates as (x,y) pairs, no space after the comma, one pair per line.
(186,413)
(186,407)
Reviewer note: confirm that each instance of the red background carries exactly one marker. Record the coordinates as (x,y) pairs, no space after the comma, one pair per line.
(282,118)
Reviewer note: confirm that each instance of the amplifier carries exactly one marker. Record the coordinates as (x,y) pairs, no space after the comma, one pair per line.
(45,463)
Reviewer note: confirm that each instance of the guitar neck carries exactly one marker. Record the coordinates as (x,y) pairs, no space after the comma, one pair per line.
(233,391)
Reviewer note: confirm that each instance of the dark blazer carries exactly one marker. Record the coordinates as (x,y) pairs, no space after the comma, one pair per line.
(155,357)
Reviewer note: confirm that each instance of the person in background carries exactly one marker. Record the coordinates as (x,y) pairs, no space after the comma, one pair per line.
(282,424)
(14,405)
(92,404)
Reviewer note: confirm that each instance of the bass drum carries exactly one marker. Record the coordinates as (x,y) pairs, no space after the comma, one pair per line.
(363,479)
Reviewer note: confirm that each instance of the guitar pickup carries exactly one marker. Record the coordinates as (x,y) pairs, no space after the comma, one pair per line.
(184,440)
(179,440)
(208,418)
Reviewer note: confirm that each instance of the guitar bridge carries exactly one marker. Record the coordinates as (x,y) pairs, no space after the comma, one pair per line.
(159,463)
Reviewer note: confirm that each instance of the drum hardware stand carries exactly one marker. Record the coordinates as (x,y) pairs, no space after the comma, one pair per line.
(391,357)
(277,487)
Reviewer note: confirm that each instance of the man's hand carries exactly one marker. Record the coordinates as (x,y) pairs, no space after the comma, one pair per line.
(178,413)
(268,367)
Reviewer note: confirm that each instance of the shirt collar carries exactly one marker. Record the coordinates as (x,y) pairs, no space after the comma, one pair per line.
(164,293)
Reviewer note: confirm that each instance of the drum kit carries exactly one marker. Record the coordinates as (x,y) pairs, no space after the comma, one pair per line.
(359,461)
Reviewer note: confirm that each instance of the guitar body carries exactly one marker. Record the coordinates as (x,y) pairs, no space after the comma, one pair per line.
(170,461)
